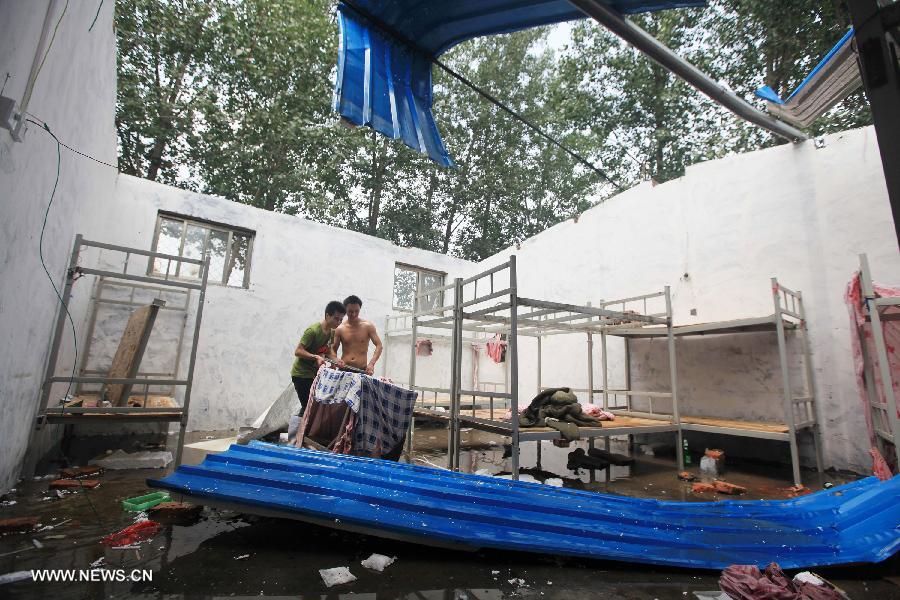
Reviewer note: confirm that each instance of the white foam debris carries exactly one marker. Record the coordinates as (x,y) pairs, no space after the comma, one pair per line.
(807,577)
(135,460)
(518,582)
(554,481)
(377,562)
(336,576)
(483,472)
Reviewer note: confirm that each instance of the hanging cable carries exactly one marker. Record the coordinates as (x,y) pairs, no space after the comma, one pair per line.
(94,22)
(44,265)
(390,31)
(43,125)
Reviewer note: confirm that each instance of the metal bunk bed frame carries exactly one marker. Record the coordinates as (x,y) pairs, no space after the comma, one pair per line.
(516,316)
(116,415)
(885,423)
(800,411)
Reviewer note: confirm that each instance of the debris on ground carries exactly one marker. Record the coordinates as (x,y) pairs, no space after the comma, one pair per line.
(553,481)
(242,557)
(18,524)
(120,459)
(712,463)
(723,487)
(15,576)
(747,582)
(797,490)
(142,503)
(703,488)
(133,534)
(377,562)
(79,472)
(686,476)
(176,513)
(518,582)
(69,484)
(336,576)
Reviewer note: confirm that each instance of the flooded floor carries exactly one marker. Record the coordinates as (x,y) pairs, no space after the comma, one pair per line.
(229,555)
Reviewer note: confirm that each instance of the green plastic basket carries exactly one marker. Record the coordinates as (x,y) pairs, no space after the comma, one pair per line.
(144,502)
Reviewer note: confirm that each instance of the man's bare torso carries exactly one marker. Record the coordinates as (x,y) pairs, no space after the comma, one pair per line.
(354,339)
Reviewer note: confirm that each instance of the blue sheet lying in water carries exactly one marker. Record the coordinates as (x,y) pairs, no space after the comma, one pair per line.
(857,522)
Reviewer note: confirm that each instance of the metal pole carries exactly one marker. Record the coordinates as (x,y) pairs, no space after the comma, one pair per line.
(604,358)
(878,55)
(414,331)
(190,374)
(590,361)
(673,378)
(811,385)
(456,376)
(884,366)
(513,357)
(646,43)
(60,322)
(786,383)
(539,383)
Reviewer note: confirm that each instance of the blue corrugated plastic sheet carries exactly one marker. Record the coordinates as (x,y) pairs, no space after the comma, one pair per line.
(770,95)
(384,77)
(854,523)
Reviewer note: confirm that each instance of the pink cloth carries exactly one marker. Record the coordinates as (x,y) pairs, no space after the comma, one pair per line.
(880,468)
(496,349)
(592,410)
(424,348)
(855,305)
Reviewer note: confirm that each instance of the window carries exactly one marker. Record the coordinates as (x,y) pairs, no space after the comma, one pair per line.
(229,250)
(410,281)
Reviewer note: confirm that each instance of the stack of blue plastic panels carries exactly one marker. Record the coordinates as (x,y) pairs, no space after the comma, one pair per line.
(854,523)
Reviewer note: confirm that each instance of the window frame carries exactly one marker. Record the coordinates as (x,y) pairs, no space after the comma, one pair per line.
(420,273)
(210,226)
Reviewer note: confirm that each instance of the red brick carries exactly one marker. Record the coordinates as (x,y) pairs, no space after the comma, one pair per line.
(703,488)
(723,487)
(78,472)
(18,524)
(69,484)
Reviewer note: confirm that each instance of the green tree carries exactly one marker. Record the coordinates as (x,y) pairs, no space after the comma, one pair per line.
(162,54)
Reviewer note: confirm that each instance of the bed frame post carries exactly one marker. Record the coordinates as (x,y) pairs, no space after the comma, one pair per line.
(673,378)
(513,355)
(813,412)
(786,383)
(590,363)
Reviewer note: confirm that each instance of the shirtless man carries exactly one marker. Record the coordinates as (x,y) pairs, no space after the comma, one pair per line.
(354,336)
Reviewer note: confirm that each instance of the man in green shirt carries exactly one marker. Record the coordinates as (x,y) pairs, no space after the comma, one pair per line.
(316,342)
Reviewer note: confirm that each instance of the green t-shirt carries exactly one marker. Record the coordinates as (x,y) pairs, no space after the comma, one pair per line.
(316,341)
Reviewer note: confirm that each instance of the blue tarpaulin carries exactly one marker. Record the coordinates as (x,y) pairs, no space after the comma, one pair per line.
(852,523)
(386,48)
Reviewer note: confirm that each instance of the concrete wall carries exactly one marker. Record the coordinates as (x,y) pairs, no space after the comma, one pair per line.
(716,236)
(75,94)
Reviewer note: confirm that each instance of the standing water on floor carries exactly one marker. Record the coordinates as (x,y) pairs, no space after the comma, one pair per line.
(225,554)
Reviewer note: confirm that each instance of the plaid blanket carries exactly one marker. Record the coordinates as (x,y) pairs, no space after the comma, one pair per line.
(333,387)
(383,419)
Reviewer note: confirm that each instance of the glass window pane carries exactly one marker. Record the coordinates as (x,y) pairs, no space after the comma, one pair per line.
(404,288)
(169,242)
(237,260)
(218,241)
(431,281)
(194,239)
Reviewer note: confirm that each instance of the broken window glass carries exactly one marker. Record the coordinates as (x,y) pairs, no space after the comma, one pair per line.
(410,281)
(228,251)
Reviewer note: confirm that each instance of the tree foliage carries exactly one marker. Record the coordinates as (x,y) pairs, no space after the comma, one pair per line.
(233,97)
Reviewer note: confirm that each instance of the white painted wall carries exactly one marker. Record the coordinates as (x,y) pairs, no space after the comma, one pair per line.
(75,94)
(795,212)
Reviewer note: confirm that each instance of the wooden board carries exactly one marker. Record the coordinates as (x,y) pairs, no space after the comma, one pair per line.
(133,400)
(733,424)
(130,352)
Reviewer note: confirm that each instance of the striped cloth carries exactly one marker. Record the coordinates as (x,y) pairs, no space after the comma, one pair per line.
(383,419)
(333,387)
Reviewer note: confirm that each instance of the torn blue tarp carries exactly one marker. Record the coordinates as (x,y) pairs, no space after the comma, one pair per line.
(832,80)
(386,48)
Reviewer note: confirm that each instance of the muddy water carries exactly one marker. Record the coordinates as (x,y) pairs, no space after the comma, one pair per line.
(228,555)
